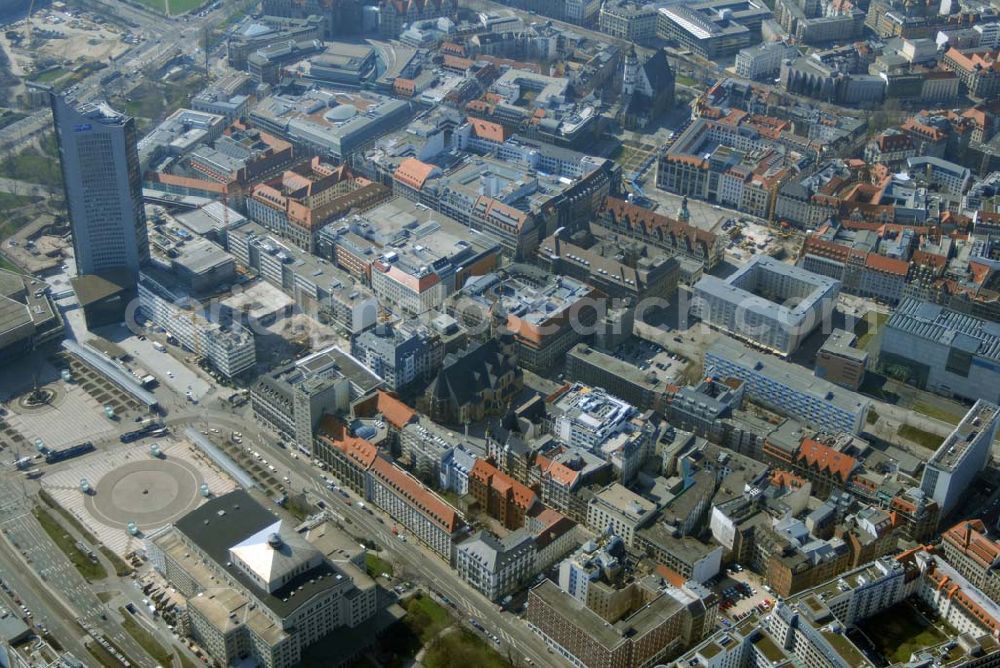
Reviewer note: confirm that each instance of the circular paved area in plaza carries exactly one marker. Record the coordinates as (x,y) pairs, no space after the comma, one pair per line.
(151,493)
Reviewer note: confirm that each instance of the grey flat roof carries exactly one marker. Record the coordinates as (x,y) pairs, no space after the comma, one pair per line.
(215,534)
(841,342)
(946,327)
(13,314)
(91,288)
(789,375)
(629,372)
(201,255)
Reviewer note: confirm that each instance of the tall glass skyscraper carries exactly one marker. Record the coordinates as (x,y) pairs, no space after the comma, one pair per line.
(103,181)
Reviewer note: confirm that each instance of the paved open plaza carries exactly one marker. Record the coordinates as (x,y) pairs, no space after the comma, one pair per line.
(128,484)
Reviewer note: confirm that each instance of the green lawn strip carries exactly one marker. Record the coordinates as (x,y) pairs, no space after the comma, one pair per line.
(937,412)
(462,648)
(50,75)
(376,566)
(90,570)
(920,437)
(146,639)
(8,265)
(181,6)
(72,521)
(103,656)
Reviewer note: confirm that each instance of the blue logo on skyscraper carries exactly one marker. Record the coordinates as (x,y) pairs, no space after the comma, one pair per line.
(83,127)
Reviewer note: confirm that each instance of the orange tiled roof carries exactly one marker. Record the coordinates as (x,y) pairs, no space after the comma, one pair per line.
(457,62)
(670,575)
(980,272)
(780,478)
(488,131)
(413,173)
(388,405)
(562,474)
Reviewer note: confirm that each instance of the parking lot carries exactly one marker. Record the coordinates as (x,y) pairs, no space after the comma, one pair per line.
(168,367)
(648,356)
(248,457)
(742,592)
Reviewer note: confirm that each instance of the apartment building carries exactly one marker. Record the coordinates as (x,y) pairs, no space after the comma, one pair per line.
(750,304)
(677,237)
(590,418)
(293,398)
(621,511)
(664,621)
(547,314)
(325,292)
(788,389)
(500,496)
(430,518)
(628,20)
(618,377)
(648,276)
(401,354)
(978,71)
(415,257)
(973,554)
(839,362)
(763,61)
(309,195)
(496,566)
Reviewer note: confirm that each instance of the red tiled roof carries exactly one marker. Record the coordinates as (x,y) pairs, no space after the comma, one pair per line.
(419,496)
(507,487)
(969,537)
(555,527)
(388,405)
(457,62)
(780,478)
(335,433)
(825,458)
(932,259)
(887,265)
(562,474)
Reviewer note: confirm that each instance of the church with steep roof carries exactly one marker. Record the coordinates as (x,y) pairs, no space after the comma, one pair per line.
(647,89)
